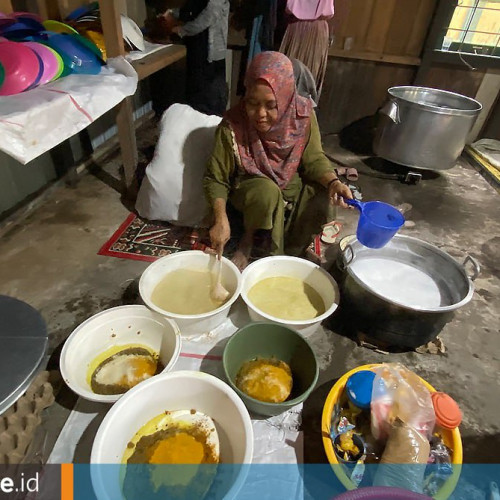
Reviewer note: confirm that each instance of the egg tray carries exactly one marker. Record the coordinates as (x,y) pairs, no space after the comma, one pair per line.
(20,422)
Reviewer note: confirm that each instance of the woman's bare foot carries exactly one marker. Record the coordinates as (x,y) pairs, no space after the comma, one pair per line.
(242,256)
(240,259)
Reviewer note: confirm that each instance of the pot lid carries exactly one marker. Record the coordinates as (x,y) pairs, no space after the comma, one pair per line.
(411,273)
(23,336)
(448,414)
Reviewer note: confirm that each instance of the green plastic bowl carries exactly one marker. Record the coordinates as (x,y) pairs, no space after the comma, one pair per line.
(267,340)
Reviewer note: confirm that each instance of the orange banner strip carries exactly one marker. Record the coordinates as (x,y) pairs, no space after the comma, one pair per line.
(66,481)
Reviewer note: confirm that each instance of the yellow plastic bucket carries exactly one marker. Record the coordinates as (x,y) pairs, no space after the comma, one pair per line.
(451,439)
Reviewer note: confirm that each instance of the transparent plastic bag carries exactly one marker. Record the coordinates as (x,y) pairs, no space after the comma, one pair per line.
(404,459)
(399,393)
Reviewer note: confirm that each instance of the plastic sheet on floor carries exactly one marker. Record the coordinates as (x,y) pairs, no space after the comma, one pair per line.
(277,440)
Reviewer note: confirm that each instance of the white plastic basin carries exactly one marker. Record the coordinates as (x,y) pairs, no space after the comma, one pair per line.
(292,267)
(194,260)
(172,391)
(118,326)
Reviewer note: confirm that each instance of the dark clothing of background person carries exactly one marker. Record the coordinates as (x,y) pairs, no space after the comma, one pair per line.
(206,88)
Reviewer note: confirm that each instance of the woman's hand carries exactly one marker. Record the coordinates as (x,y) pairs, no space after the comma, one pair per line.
(220,233)
(337,191)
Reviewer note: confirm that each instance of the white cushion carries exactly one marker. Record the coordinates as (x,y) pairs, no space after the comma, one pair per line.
(172,189)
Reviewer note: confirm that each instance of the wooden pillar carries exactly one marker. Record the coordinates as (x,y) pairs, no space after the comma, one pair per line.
(112,27)
(487,95)
(113,36)
(48,9)
(6,6)
(128,143)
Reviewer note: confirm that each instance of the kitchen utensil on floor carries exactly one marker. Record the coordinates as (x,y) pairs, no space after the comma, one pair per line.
(119,326)
(218,292)
(171,391)
(404,294)
(452,439)
(266,340)
(291,267)
(193,259)
(378,222)
(424,128)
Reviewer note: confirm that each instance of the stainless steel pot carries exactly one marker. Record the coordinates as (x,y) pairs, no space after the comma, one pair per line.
(404,293)
(424,128)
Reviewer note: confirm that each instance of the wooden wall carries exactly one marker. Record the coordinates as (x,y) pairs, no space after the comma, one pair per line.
(354,89)
(461,80)
(382,27)
(377,45)
(492,128)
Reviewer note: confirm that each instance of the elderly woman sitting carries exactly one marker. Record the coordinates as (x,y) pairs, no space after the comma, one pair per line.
(267,157)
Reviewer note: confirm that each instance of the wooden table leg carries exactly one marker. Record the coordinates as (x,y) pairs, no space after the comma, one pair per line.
(128,144)
(111,24)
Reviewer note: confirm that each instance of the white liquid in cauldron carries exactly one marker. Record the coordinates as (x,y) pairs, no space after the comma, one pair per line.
(398,282)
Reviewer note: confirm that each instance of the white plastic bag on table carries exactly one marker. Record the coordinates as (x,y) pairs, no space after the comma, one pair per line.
(172,189)
(399,393)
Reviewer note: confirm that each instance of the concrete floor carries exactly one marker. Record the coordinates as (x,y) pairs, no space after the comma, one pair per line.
(49,260)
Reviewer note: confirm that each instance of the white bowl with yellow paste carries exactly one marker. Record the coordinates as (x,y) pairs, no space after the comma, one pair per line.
(289,291)
(172,393)
(110,331)
(178,286)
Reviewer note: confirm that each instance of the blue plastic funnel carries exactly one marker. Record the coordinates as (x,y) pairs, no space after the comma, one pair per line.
(378,222)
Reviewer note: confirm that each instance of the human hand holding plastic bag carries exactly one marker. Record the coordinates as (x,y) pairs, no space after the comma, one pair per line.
(400,393)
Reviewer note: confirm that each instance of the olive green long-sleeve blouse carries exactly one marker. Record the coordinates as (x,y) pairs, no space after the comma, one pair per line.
(222,166)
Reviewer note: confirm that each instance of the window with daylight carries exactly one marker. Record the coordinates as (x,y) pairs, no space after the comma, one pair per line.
(474,28)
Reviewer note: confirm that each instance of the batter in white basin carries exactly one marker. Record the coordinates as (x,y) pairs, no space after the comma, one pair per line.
(398,282)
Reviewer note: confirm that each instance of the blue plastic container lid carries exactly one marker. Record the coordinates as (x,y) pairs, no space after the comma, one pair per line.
(359,388)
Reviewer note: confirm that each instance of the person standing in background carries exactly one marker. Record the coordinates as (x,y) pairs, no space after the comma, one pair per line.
(307,36)
(259,19)
(203,27)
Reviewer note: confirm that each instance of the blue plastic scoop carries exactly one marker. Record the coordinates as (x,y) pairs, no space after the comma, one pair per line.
(378,222)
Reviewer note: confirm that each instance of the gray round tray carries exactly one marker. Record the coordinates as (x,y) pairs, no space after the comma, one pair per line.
(23,343)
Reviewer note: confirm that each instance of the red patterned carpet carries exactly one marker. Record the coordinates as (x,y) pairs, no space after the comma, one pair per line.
(139,239)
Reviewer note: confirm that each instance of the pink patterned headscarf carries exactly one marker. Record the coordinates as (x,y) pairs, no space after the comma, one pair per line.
(277,153)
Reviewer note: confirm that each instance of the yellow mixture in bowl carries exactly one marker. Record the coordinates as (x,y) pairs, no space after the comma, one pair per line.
(287,298)
(268,380)
(182,450)
(120,368)
(187,292)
